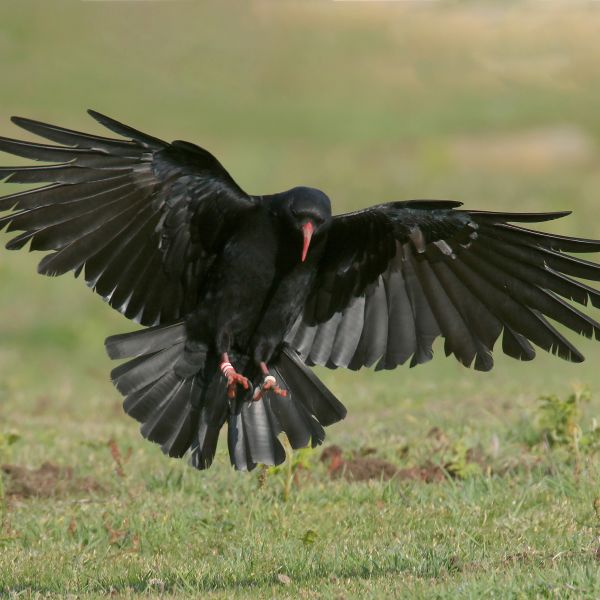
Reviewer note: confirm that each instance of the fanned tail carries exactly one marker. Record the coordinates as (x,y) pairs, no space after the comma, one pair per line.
(175,389)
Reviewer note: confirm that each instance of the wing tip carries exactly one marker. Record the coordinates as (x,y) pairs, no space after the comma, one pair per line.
(559,214)
(517,217)
(20,121)
(102,118)
(126,131)
(96,115)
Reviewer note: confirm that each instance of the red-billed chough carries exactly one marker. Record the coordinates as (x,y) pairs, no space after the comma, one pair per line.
(240,294)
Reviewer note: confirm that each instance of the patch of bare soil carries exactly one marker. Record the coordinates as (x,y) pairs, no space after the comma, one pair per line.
(427,472)
(363,466)
(48,481)
(357,468)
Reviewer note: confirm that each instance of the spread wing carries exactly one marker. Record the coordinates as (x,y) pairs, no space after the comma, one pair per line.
(141,219)
(396,276)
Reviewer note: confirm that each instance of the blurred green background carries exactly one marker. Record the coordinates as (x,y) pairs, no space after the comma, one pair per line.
(493,104)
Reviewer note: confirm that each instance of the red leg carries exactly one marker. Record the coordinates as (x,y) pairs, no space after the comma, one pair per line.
(233,377)
(269,383)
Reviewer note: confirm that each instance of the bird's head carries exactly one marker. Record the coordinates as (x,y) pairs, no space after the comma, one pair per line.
(308,212)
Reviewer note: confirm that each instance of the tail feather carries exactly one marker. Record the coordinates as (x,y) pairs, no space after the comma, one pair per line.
(237,442)
(143,370)
(309,389)
(300,425)
(174,388)
(161,421)
(143,342)
(211,407)
(140,403)
(262,429)
(293,418)
(179,441)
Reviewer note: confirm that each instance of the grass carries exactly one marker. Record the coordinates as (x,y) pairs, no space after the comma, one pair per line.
(371,102)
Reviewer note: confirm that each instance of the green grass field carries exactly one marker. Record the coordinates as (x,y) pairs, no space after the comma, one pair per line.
(496,493)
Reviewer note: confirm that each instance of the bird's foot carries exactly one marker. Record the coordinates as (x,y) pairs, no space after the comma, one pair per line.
(269,384)
(233,377)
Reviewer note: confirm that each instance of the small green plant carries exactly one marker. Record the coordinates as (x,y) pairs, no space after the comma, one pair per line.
(294,462)
(459,461)
(590,439)
(310,537)
(459,457)
(558,419)
(559,425)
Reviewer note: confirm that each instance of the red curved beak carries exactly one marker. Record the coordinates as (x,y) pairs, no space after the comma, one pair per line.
(307,231)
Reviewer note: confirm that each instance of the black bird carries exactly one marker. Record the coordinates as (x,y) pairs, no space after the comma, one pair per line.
(240,293)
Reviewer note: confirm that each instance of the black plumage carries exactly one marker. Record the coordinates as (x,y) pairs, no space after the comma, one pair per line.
(240,294)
